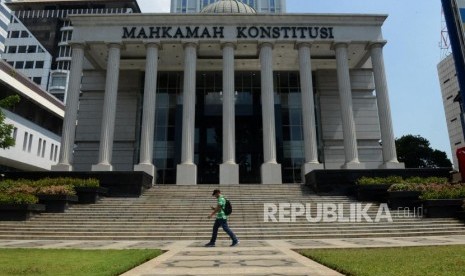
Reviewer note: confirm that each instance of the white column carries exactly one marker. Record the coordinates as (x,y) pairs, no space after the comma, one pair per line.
(345,97)
(308,111)
(384,110)
(109,109)
(72,104)
(148,116)
(229,170)
(270,169)
(186,173)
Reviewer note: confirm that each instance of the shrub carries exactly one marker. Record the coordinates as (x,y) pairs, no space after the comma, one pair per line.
(443,191)
(18,199)
(426,180)
(56,190)
(90,182)
(8,183)
(22,189)
(379,180)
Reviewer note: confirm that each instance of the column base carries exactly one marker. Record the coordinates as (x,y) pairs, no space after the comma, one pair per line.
(353,166)
(308,167)
(271,173)
(229,174)
(392,165)
(102,168)
(186,174)
(147,168)
(62,168)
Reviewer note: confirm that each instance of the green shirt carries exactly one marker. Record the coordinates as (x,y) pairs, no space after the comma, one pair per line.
(222,203)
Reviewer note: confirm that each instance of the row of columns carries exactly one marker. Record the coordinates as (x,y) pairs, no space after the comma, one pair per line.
(229,170)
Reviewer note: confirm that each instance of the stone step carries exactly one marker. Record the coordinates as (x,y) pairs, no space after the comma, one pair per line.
(207,235)
(136,229)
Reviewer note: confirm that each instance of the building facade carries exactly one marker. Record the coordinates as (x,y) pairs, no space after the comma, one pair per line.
(37,121)
(227,98)
(47,22)
(4,21)
(26,54)
(261,6)
(451,99)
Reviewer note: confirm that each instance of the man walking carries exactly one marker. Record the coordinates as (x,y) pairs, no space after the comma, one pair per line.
(221,220)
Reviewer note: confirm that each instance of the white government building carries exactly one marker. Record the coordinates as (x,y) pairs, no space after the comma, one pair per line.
(227,97)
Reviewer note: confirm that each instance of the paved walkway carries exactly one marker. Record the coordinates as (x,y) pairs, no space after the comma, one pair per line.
(267,257)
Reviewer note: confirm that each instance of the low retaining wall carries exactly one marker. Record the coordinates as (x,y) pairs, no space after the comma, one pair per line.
(119,184)
(343,181)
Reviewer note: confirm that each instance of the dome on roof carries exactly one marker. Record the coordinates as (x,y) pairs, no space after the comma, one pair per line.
(228,6)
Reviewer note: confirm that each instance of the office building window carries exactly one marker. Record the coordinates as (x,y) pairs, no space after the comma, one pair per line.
(15,133)
(29,65)
(39,147)
(29,147)
(37,80)
(12,49)
(24,34)
(14,34)
(32,49)
(19,65)
(39,64)
(26,135)
(22,49)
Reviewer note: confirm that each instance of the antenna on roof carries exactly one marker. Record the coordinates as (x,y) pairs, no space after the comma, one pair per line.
(444,44)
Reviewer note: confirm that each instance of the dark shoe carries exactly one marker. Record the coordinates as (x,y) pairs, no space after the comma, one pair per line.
(210,244)
(235,243)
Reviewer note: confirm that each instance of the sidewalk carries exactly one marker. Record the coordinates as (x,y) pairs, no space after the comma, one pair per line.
(264,257)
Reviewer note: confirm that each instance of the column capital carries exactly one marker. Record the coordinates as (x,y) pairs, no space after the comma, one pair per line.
(373,44)
(79,45)
(266,43)
(151,44)
(338,44)
(186,44)
(300,44)
(114,45)
(226,43)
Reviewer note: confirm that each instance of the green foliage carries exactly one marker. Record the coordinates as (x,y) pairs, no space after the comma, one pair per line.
(417,184)
(6,139)
(74,182)
(415,152)
(17,191)
(18,198)
(411,261)
(90,182)
(379,180)
(443,191)
(72,262)
(56,190)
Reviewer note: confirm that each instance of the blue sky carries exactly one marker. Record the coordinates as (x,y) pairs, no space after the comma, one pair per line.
(413,32)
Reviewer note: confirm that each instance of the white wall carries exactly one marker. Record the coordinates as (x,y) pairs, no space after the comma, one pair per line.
(25,155)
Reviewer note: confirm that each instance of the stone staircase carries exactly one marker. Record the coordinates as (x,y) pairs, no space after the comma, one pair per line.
(180,212)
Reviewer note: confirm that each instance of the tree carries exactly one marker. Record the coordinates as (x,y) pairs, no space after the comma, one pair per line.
(6,140)
(416,152)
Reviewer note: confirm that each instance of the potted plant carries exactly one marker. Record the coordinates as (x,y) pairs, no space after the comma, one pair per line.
(56,198)
(375,188)
(443,200)
(17,200)
(88,190)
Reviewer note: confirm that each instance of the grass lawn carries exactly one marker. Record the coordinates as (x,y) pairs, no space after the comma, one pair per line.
(411,261)
(71,262)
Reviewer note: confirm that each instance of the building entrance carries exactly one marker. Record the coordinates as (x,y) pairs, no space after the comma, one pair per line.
(209,127)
